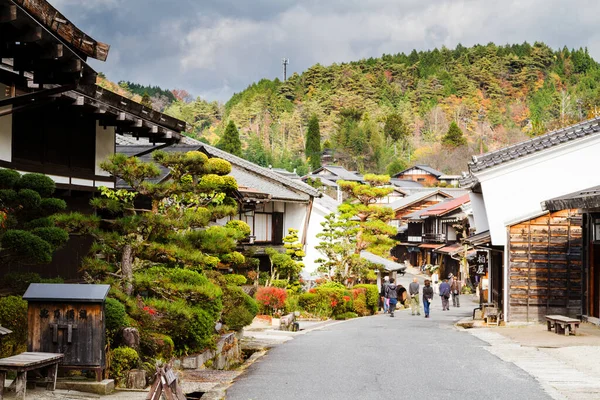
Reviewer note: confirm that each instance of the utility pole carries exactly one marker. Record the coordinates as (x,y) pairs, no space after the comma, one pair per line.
(285,62)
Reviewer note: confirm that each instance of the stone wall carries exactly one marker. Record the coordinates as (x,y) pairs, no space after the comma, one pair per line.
(227,354)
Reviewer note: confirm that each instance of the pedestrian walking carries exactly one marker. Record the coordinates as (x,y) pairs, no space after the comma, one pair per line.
(413,291)
(391,294)
(455,288)
(384,302)
(427,297)
(445,295)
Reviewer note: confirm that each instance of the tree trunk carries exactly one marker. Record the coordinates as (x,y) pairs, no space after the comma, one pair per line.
(127,269)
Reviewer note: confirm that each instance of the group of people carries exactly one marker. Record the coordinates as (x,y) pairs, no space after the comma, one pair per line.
(390,293)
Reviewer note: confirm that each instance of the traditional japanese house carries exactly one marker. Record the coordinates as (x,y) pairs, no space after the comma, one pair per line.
(269,202)
(55,120)
(542,265)
(423,174)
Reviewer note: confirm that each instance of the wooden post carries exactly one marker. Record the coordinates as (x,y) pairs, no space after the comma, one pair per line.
(52,372)
(20,385)
(2,377)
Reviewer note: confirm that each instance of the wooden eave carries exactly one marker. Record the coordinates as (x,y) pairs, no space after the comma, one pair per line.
(52,20)
(28,47)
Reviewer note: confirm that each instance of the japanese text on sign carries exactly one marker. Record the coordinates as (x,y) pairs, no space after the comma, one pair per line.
(481,263)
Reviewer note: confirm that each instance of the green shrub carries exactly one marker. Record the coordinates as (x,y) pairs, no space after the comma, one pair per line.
(156,345)
(372,296)
(292,303)
(55,236)
(359,304)
(242,227)
(8,196)
(239,309)
(13,315)
(308,301)
(28,245)
(116,317)
(19,281)
(235,279)
(346,315)
(39,223)
(9,178)
(29,199)
(52,205)
(122,360)
(40,183)
(191,328)
(332,285)
(179,283)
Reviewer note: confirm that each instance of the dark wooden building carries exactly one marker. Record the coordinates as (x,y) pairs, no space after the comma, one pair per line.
(68,319)
(55,120)
(545,266)
(588,202)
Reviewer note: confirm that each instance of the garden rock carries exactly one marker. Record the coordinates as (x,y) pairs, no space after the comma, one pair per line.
(131,338)
(136,379)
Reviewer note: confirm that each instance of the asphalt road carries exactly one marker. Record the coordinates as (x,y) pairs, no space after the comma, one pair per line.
(386,358)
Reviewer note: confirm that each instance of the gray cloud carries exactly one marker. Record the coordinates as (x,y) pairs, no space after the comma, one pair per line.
(213,48)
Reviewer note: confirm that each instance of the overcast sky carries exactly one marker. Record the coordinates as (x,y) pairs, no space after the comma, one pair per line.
(213,48)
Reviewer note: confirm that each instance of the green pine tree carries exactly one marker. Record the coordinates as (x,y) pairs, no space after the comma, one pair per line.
(454,137)
(146,102)
(313,143)
(230,141)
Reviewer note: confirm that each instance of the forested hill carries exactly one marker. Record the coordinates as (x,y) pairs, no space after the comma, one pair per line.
(496,94)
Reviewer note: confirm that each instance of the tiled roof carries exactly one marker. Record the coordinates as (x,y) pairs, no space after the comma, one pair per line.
(539,143)
(425,168)
(446,206)
(247,174)
(340,172)
(583,199)
(405,183)
(125,140)
(413,198)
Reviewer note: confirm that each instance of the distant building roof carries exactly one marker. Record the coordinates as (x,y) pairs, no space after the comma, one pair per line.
(405,183)
(327,180)
(446,206)
(539,143)
(286,173)
(414,198)
(248,175)
(340,172)
(425,168)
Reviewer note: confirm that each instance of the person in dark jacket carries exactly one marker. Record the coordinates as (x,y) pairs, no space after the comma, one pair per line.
(445,295)
(384,301)
(427,297)
(391,294)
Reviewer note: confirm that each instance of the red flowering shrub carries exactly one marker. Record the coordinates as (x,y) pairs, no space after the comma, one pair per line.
(346,298)
(271,298)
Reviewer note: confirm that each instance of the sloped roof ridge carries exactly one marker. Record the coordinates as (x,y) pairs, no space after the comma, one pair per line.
(424,167)
(250,166)
(408,200)
(535,144)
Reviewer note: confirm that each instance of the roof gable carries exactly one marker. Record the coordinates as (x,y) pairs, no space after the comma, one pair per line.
(422,167)
(447,206)
(416,197)
(544,142)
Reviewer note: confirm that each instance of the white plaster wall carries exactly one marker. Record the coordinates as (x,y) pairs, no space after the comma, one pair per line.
(5,129)
(105,146)
(516,189)
(294,217)
(480,220)
(314,227)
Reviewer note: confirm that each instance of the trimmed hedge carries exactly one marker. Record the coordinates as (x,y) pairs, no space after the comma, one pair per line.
(239,309)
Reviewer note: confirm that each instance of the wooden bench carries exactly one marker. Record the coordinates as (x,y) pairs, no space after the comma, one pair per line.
(21,363)
(562,325)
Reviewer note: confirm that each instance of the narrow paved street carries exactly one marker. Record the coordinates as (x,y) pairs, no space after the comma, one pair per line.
(381,357)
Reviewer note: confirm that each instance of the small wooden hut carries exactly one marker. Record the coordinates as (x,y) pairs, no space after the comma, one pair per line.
(68,319)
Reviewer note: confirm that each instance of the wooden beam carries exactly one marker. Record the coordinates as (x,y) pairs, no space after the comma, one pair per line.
(31,35)
(29,98)
(8,13)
